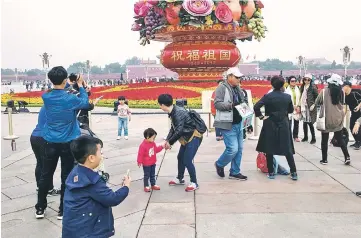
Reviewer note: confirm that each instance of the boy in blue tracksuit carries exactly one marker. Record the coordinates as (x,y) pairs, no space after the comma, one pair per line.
(61,127)
(87,199)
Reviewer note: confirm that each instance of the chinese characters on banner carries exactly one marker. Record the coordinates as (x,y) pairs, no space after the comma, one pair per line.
(198,57)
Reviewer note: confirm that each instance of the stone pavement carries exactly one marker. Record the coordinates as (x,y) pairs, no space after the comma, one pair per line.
(321,204)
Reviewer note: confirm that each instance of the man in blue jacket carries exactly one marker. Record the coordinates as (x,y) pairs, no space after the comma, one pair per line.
(88,201)
(61,127)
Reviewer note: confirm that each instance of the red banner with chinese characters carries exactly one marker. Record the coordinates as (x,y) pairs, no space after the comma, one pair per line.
(197,55)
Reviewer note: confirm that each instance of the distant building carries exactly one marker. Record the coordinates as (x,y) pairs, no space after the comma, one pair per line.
(318,61)
(149,71)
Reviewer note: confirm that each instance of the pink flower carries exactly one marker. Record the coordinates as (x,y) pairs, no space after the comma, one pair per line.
(198,7)
(136,27)
(223,13)
(141,8)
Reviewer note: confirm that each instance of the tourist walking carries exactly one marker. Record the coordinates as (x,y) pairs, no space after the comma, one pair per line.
(124,116)
(332,99)
(228,119)
(294,91)
(353,100)
(275,137)
(309,94)
(183,129)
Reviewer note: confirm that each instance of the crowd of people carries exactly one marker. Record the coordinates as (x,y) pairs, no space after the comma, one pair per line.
(86,200)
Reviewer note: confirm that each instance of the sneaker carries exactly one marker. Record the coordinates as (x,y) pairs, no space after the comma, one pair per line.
(357,145)
(220,170)
(191,187)
(126,137)
(118,138)
(147,189)
(353,145)
(304,140)
(155,187)
(313,141)
(271,176)
(218,138)
(324,162)
(297,139)
(358,194)
(237,177)
(54,192)
(40,213)
(60,215)
(347,161)
(294,176)
(176,181)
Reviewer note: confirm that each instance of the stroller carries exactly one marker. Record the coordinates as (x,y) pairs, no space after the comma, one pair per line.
(85,130)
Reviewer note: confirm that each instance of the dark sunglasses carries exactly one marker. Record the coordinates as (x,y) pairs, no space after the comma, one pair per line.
(238,78)
(307,79)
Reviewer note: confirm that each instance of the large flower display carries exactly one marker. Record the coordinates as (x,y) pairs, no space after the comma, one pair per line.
(144,95)
(152,15)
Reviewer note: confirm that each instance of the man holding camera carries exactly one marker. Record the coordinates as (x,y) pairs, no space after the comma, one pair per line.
(61,127)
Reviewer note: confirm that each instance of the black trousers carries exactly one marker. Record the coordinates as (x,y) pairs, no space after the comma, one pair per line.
(290,161)
(52,153)
(324,144)
(353,119)
(37,145)
(305,130)
(296,126)
(149,174)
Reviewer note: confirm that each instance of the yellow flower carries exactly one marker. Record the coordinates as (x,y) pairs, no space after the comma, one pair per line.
(209,21)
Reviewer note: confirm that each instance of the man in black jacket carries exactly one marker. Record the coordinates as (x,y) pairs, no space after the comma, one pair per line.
(184,130)
(353,100)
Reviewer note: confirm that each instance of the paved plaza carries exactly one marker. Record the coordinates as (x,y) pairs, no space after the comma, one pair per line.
(321,204)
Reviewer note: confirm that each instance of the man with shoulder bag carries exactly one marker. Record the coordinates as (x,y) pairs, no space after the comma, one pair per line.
(229,120)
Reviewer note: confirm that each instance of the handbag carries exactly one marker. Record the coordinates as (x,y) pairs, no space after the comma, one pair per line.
(321,120)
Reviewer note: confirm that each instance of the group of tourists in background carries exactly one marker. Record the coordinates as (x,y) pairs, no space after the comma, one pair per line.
(284,107)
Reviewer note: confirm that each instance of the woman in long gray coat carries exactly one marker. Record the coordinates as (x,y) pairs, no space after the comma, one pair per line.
(275,137)
(332,99)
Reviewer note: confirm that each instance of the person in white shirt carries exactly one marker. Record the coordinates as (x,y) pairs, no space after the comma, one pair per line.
(124,115)
(294,91)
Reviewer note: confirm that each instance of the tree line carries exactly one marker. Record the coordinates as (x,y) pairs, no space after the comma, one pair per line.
(269,65)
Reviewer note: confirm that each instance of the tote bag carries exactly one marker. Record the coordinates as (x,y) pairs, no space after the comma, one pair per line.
(321,120)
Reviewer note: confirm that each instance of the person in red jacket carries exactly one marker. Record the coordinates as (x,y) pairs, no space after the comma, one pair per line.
(147,157)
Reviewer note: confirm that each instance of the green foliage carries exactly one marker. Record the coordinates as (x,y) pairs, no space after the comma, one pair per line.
(7,72)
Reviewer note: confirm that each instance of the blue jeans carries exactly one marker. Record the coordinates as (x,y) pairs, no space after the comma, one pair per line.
(218,132)
(122,124)
(233,139)
(149,174)
(185,159)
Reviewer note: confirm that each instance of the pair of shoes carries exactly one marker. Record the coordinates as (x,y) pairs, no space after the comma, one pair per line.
(176,181)
(60,215)
(313,141)
(191,187)
(238,177)
(126,137)
(220,170)
(271,175)
(324,162)
(218,138)
(347,161)
(40,214)
(304,139)
(54,192)
(294,176)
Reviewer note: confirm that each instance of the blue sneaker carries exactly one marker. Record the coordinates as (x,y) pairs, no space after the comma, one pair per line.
(271,176)
(294,176)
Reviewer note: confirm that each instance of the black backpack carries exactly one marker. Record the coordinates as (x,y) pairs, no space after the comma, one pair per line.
(200,124)
(345,135)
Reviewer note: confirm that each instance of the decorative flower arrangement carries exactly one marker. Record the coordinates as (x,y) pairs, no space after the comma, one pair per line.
(152,15)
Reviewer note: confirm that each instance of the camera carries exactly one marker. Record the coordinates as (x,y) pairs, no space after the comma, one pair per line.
(181,102)
(73,77)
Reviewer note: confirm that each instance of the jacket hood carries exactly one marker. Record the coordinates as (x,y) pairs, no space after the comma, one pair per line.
(81,177)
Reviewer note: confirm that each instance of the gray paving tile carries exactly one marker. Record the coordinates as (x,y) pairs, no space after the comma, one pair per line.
(278,225)
(169,214)
(174,231)
(128,226)
(11,182)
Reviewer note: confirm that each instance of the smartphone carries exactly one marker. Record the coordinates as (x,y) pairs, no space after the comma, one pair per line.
(128,172)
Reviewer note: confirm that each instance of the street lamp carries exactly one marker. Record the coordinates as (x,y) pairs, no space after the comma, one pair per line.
(16,74)
(346,57)
(88,67)
(301,63)
(45,57)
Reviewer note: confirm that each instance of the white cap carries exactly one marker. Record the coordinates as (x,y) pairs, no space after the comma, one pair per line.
(335,79)
(235,71)
(308,76)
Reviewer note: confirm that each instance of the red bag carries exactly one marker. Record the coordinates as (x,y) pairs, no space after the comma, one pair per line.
(262,162)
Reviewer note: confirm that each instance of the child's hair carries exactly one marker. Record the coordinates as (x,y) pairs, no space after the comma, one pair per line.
(121,98)
(84,146)
(148,133)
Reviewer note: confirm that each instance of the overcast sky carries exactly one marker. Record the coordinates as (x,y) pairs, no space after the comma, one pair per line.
(77,30)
